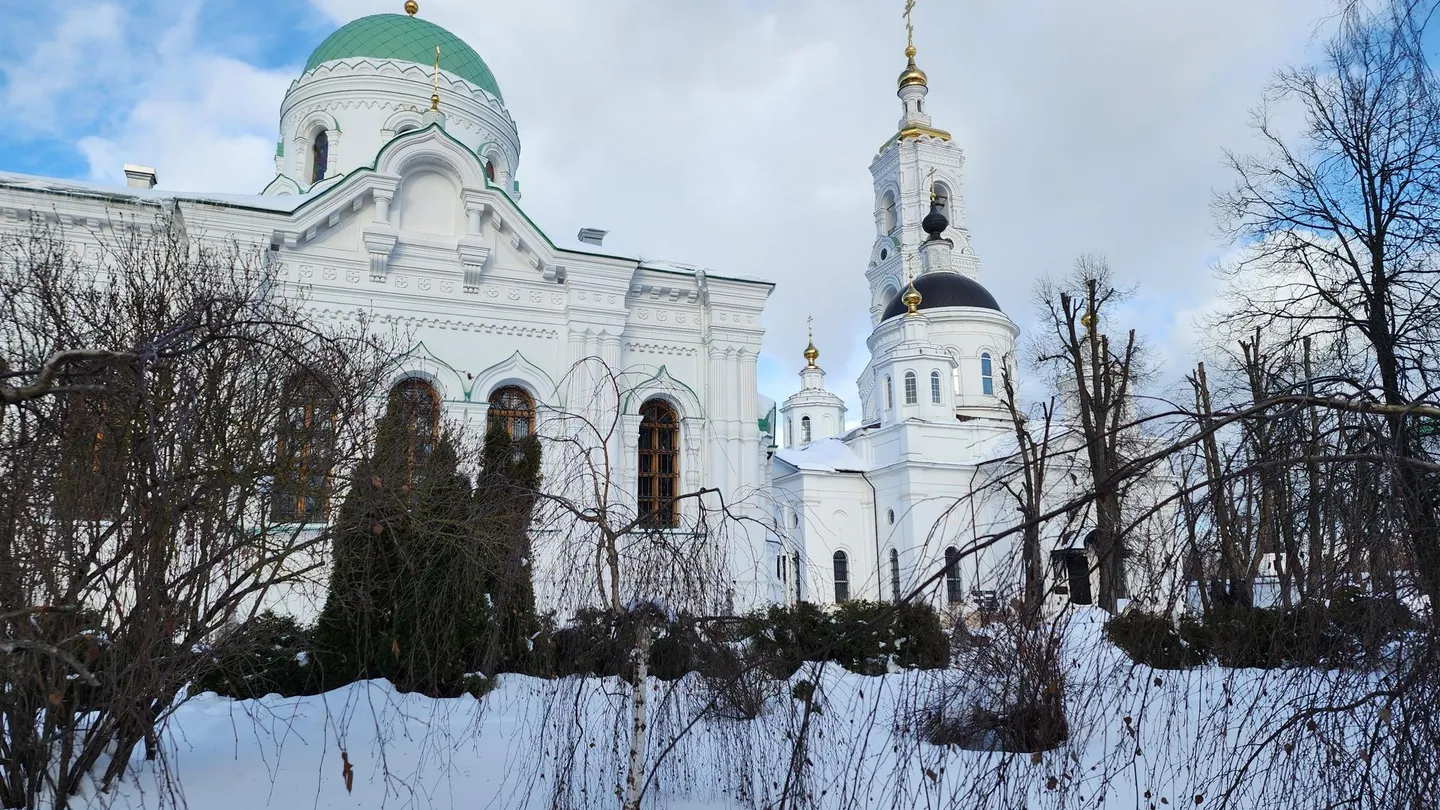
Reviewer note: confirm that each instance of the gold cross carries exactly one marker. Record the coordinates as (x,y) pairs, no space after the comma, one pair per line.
(909,26)
(810,324)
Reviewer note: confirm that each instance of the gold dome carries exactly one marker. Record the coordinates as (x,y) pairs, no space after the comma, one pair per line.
(811,355)
(412,8)
(912,74)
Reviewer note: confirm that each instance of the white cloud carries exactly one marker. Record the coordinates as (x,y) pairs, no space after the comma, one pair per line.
(47,90)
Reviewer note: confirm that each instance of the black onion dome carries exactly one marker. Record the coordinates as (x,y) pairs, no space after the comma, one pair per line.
(944,289)
(935,222)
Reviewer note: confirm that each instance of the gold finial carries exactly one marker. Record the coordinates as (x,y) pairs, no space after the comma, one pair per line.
(911,299)
(811,353)
(435,97)
(912,74)
(412,8)
(1088,320)
(932,184)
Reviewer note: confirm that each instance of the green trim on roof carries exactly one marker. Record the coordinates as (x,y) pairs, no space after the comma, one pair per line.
(405,39)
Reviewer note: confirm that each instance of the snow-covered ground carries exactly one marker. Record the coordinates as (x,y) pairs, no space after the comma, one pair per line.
(1139,739)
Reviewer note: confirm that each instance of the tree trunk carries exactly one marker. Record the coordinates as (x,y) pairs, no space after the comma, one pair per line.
(639,717)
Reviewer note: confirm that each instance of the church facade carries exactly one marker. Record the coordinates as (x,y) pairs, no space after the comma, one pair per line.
(396,198)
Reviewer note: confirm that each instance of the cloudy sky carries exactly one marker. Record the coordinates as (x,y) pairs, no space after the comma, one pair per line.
(734,134)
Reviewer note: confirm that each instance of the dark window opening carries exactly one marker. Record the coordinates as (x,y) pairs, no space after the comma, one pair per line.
(305,450)
(319,156)
(512,407)
(953,593)
(659,465)
(842,577)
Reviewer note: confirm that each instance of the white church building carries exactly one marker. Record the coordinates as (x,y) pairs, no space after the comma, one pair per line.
(876,510)
(396,196)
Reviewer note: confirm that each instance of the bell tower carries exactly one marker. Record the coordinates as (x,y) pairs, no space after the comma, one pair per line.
(916,166)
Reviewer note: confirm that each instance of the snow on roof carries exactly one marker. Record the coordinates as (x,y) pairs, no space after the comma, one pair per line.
(79,188)
(666,266)
(825,455)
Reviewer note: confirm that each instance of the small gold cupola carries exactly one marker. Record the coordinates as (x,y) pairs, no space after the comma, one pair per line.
(811,353)
(912,75)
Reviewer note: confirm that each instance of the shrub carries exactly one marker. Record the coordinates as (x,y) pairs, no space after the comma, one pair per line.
(861,636)
(1156,641)
(1008,694)
(269,654)
(743,695)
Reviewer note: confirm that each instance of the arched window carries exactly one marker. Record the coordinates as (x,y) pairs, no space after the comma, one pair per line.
(953,594)
(490,170)
(894,575)
(514,409)
(935,387)
(912,396)
(319,156)
(889,394)
(887,212)
(95,445)
(418,407)
(842,577)
(659,464)
(305,450)
(804,430)
(890,517)
(789,432)
(987,376)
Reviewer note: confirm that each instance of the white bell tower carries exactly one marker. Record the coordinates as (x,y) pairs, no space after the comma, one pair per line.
(918,161)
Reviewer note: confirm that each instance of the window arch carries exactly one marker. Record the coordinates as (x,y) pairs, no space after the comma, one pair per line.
(935,387)
(418,407)
(408,126)
(514,409)
(912,395)
(889,394)
(987,375)
(894,575)
(319,156)
(805,430)
(789,431)
(887,212)
(490,170)
(842,577)
(953,594)
(304,449)
(659,464)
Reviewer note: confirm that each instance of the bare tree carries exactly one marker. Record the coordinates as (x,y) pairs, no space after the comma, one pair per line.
(144,503)
(1341,226)
(1097,383)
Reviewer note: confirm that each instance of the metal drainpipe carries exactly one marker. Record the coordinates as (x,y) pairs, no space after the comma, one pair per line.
(879,565)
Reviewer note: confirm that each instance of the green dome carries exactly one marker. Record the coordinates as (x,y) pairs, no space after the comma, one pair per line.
(405,39)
